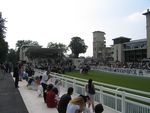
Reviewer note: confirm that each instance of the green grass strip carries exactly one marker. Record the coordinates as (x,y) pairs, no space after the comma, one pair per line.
(128,81)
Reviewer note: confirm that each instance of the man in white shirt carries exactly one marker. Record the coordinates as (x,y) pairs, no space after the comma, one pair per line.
(44,80)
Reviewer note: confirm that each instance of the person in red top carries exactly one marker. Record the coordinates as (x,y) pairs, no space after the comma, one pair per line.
(51,99)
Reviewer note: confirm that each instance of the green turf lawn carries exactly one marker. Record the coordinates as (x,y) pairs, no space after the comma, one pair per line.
(128,81)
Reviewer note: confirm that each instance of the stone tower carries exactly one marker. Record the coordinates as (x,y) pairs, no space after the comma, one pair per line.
(99,45)
(147,14)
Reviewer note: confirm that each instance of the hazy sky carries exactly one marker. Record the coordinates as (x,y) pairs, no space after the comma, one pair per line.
(59,20)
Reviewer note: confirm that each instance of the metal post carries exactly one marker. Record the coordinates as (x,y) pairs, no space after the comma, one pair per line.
(74,82)
(116,98)
(123,101)
(101,91)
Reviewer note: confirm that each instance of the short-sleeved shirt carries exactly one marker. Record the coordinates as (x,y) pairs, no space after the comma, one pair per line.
(71,108)
(44,78)
(62,105)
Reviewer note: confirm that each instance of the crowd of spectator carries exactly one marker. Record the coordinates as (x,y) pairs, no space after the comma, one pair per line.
(138,69)
(48,88)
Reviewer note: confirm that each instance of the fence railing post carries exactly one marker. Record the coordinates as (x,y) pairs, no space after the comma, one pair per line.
(74,85)
(123,101)
(101,94)
(116,103)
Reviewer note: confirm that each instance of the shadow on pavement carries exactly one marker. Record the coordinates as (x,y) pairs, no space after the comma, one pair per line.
(10,98)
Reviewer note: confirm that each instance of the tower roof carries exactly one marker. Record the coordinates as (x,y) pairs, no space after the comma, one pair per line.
(121,40)
(121,37)
(99,32)
(147,13)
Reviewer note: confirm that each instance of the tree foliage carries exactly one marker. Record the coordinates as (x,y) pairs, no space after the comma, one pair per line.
(3,43)
(61,46)
(77,46)
(2,26)
(12,56)
(20,43)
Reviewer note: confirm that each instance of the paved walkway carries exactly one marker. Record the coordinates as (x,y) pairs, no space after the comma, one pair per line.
(23,100)
(10,99)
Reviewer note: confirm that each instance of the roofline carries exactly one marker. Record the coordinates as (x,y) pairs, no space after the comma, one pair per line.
(99,32)
(121,37)
(147,13)
(134,41)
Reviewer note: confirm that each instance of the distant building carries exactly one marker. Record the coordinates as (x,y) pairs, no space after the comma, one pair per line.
(36,54)
(118,48)
(100,51)
(99,45)
(23,50)
(147,14)
(124,49)
(129,51)
(134,50)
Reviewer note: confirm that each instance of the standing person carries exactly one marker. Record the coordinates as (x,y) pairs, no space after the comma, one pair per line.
(43,82)
(16,75)
(20,67)
(90,89)
(64,100)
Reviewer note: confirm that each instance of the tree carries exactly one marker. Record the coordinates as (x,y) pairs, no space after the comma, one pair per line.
(20,43)
(3,43)
(77,46)
(12,56)
(61,46)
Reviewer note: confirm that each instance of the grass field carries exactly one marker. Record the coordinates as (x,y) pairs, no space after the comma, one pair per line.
(128,81)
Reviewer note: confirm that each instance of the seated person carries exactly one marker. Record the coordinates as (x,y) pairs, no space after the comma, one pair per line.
(25,75)
(51,98)
(49,88)
(39,87)
(31,84)
(40,91)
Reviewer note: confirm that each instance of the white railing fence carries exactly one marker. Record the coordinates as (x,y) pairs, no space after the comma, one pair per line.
(120,101)
(117,98)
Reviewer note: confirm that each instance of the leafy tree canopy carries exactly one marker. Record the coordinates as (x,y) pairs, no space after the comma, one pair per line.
(77,46)
(2,26)
(25,43)
(61,46)
(3,43)
(12,56)
(20,43)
